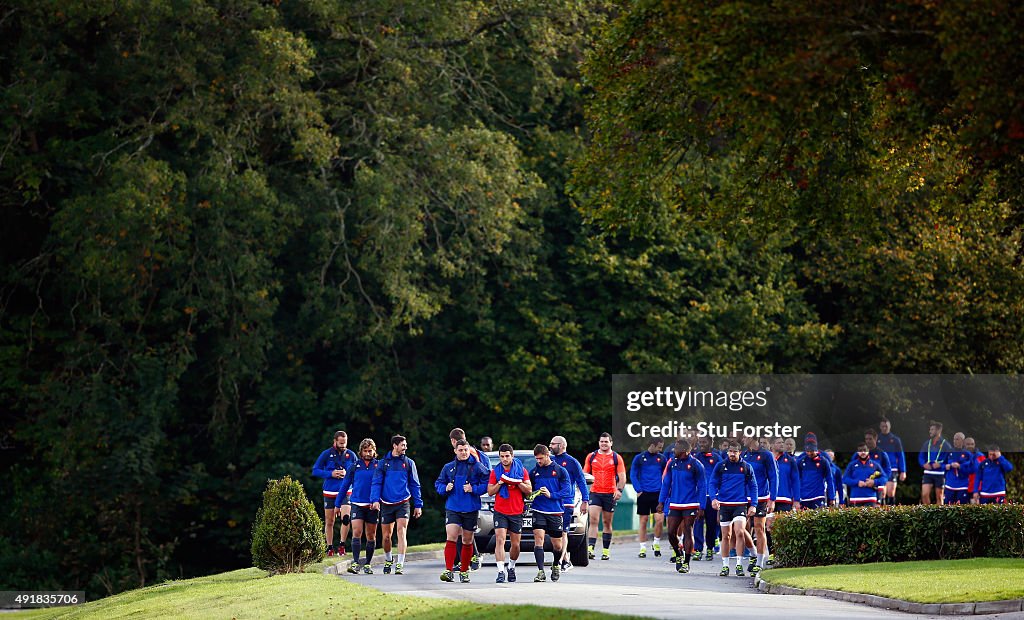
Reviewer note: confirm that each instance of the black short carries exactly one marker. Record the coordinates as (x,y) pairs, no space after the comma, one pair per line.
(956,497)
(937,480)
(762,508)
(552,524)
(680,513)
(512,523)
(389,513)
(726,514)
(605,500)
(365,513)
(783,507)
(646,503)
(465,520)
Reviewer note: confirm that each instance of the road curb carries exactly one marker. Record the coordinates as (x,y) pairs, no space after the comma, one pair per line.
(941,609)
(341,565)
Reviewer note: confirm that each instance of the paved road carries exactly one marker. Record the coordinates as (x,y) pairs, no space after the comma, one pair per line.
(626,585)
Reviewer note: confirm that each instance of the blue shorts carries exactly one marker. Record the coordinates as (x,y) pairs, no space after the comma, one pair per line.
(512,523)
(813,504)
(365,514)
(956,497)
(992,500)
(465,520)
(549,523)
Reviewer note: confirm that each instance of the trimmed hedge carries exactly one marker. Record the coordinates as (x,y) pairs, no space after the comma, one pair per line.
(288,533)
(897,534)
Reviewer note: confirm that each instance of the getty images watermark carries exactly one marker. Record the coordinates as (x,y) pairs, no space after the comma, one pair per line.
(837,408)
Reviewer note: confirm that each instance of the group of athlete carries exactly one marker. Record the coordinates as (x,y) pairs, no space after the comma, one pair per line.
(702,495)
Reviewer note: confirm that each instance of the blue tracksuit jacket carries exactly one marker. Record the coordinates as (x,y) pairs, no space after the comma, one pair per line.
(733,484)
(645,471)
(960,479)
(816,481)
(860,471)
(459,473)
(893,448)
(684,485)
(789,479)
(330,460)
(575,470)
(554,478)
(991,477)
(395,481)
(359,480)
(766,474)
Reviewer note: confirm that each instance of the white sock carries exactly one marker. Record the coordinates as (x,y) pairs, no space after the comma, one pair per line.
(657,542)
(725,559)
(732,563)
(760,559)
(401,558)
(387,556)
(511,563)
(643,546)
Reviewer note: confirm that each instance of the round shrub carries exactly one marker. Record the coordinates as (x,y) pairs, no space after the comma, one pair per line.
(288,533)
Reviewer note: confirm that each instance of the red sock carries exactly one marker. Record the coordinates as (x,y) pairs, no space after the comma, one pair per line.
(449,555)
(467,555)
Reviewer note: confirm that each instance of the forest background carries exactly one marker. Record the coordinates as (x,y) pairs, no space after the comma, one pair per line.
(232,228)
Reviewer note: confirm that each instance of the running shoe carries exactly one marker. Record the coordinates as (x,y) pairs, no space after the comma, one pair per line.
(566,566)
(709,555)
(739,570)
(724,572)
(753,570)
(398,569)
(751,565)
(657,550)
(341,549)
(448,576)
(474,562)
(771,560)
(683,567)
(590,551)
(367,570)
(464,576)
(353,568)
(674,558)
(540,577)
(330,551)
(606,554)
(556,572)
(511,574)
(642,554)
(387,566)
(501,577)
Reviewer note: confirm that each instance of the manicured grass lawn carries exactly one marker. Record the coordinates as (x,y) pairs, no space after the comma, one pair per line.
(249,593)
(953,581)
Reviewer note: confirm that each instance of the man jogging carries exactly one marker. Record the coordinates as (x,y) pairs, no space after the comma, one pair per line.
(396,483)
(552,487)
(456,435)
(933,457)
(864,476)
(332,465)
(733,493)
(645,472)
(507,483)
(558,446)
(766,475)
(705,528)
(959,467)
(893,448)
(683,492)
(359,480)
(461,482)
(609,479)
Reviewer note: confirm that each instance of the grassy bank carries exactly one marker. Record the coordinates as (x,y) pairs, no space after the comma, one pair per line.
(249,593)
(952,581)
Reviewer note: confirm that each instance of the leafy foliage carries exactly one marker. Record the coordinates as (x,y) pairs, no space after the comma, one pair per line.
(898,533)
(288,534)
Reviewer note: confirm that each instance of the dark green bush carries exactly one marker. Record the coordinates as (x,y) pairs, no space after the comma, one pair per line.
(897,534)
(288,533)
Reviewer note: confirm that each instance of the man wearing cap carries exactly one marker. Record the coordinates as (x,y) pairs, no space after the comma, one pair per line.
(817,485)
